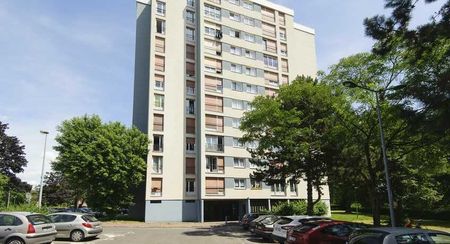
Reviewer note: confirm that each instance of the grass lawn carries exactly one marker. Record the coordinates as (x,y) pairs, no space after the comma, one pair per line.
(367,219)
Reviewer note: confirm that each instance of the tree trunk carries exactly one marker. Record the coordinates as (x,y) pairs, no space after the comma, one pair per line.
(309,202)
(376,209)
(375,199)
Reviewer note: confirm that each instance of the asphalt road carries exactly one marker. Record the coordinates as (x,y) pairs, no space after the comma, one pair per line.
(136,235)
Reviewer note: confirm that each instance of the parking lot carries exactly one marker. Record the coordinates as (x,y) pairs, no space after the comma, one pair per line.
(137,235)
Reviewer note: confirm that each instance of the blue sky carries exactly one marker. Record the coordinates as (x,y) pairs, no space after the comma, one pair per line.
(60,59)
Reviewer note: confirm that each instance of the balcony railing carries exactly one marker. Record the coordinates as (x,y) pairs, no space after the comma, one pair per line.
(215,191)
(210,147)
(218,169)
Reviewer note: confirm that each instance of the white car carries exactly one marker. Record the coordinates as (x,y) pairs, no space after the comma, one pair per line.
(285,223)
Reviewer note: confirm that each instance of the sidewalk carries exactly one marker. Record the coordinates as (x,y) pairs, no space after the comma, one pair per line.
(137,224)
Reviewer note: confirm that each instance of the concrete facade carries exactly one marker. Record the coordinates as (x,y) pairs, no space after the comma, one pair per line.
(198,65)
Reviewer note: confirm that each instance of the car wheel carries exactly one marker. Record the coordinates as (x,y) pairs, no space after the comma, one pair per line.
(76,235)
(15,240)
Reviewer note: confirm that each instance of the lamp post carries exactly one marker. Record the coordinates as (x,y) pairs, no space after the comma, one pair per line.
(350,84)
(42,172)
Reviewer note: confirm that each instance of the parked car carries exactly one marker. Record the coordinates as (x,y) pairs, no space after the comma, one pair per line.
(252,224)
(247,218)
(285,223)
(26,228)
(322,231)
(264,228)
(399,235)
(76,226)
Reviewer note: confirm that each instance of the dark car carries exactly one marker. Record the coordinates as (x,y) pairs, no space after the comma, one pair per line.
(322,231)
(252,224)
(399,235)
(247,218)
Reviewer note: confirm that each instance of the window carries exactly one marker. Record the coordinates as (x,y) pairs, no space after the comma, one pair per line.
(278,188)
(271,62)
(282,19)
(269,30)
(156,189)
(213,103)
(210,31)
(251,88)
(237,143)
(236,123)
(270,46)
(249,37)
(190,185)
(215,186)
(190,34)
(250,71)
(293,186)
(191,3)
(190,52)
(158,122)
(250,54)
(213,84)
(237,68)
(190,88)
(160,8)
(283,34)
(157,143)
(283,49)
(236,2)
(236,50)
(256,184)
(214,164)
(160,63)
(190,166)
(235,16)
(235,33)
(213,12)
(213,65)
(253,166)
(157,165)
(214,123)
(239,162)
(248,5)
(190,144)
(239,184)
(190,106)
(9,220)
(284,79)
(271,78)
(439,238)
(159,102)
(214,143)
(190,16)
(160,26)
(284,65)
(190,69)
(159,82)
(237,86)
(237,104)
(190,125)
(248,20)
(160,44)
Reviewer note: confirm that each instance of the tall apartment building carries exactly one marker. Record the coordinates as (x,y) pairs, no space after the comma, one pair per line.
(199,63)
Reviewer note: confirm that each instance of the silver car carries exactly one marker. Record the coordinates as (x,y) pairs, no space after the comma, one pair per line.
(76,226)
(26,228)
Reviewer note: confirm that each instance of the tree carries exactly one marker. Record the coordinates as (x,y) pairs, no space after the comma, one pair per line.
(3,184)
(414,153)
(291,129)
(57,190)
(426,50)
(12,155)
(102,162)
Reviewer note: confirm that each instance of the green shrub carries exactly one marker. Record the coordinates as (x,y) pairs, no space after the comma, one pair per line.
(298,208)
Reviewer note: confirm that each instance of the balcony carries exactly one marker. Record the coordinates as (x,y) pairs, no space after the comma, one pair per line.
(190,91)
(210,147)
(219,169)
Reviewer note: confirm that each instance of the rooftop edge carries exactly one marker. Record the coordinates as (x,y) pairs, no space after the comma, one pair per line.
(306,29)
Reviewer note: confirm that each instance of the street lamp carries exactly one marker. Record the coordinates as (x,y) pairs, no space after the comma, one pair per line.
(42,172)
(350,84)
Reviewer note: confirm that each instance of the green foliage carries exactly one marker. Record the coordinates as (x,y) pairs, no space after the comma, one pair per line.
(25,208)
(57,191)
(12,155)
(103,163)
(298,208)
(3,184)
(291,130)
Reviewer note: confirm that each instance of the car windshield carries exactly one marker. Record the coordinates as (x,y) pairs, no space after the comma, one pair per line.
(284,221)
(39,219)
(89,218)
(269,220)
